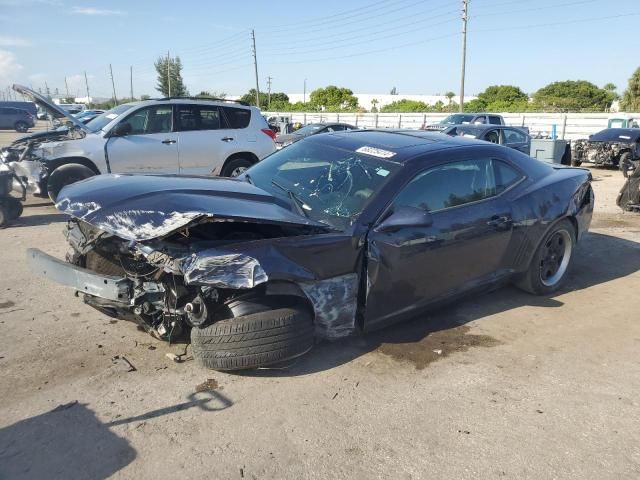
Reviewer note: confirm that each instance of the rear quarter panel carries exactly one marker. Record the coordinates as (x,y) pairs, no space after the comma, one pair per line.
(564,193)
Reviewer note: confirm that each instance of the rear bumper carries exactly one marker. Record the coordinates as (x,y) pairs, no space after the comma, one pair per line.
(115,289)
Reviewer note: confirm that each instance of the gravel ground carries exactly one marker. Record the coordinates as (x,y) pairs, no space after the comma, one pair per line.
(506,385)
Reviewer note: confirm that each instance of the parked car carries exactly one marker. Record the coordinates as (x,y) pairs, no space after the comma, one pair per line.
(87,115)
(170,135)
(512,137)
(464,119)
(16,119)
(623,120)
(335,234)
(311,129)
(28,106)
(616,147)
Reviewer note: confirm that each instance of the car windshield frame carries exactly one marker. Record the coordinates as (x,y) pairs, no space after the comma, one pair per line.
(333,185)
(104,119)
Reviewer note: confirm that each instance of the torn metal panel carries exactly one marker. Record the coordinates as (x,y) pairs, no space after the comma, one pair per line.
(224,270)
(334,302)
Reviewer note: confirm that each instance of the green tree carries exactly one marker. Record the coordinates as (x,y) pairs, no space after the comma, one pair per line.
(170,68)
(631,97)
(450,96)
(571,95)
(474,106)
(278,99)
(333,98)
(406,106)
(503,93)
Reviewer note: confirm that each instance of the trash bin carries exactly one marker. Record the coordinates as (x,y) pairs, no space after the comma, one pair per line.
(552,151)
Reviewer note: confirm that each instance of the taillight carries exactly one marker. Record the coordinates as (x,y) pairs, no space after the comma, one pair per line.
(269,133)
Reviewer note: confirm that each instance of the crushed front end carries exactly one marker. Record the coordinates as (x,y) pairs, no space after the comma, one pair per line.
(599,153)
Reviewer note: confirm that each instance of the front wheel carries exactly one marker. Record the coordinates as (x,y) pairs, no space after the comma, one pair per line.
(66,175)
(551,261)
(254,340)
(236,167)
(625,164)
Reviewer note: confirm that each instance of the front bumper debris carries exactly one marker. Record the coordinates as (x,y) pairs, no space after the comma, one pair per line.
(115,289)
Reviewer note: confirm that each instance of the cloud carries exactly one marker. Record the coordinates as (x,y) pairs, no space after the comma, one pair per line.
(9,67)
(96,11)
(9,41)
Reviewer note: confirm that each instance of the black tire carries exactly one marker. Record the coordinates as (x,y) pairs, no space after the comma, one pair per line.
(4,214)
(236,166)
(21,126)
(15,207)
(625,164)
(255,340)
(66,175)
(575,162)
(540,279)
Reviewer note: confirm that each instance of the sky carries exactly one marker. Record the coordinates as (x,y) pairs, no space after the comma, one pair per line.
(369,46)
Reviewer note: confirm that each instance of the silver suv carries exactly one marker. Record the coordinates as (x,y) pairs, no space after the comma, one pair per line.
(186,136)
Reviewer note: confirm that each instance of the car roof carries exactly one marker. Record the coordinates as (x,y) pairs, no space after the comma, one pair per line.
(404,144)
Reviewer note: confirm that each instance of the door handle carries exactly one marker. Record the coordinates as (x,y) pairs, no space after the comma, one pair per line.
(499,221)
(227,139)
(168,141)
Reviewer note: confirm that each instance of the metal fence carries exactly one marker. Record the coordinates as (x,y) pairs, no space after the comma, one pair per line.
(570,126)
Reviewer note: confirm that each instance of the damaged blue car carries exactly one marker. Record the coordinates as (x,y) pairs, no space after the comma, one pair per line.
(334,235)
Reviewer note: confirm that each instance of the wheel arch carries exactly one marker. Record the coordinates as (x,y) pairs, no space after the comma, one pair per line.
(59,162)
(233,156)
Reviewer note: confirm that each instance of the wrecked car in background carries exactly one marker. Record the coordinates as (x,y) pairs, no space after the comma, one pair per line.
(615,147)
(513,137)
(335,234)
(170,135)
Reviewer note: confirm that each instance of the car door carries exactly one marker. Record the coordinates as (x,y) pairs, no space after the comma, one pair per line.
(5,118)
(516,139)
(465,246)
(204,139)
(149,144)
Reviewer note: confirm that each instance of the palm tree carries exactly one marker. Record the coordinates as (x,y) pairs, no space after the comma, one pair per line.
(450,96)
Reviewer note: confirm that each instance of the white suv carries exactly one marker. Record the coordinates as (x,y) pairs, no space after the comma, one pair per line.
(186,136)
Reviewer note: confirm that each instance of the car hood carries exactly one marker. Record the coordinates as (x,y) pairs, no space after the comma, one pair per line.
(143,207)
(43,135)
(47,105)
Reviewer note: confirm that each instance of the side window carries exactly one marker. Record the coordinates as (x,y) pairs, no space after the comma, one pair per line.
(198,117)
(494,120)
(480,119)
(450,185)
(237,117)
(513,136)
(492,136)
(150,120)
(505,176)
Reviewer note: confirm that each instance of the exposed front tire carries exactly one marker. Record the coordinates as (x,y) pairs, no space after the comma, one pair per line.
(66,175)
(625,164)
(255,340)
(551,261)
(236,167)
(21,126)
(15,207)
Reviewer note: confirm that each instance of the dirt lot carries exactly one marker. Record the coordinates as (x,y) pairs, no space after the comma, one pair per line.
(503,386)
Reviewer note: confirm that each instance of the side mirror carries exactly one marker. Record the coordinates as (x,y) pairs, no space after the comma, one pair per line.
(121,130)
(403,217)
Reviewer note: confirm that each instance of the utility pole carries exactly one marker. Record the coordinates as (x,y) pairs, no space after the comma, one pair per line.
(113,85)
(46,87)
(304,94)
(86,83)
(131,80)
(269,95)
(465,18)
(169,72)
(255,65)
(66,86)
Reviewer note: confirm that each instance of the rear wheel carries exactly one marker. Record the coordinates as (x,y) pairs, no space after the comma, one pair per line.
(66,175)
(14,207)
(21,126)
(236,166)
(551,261)
(254,340)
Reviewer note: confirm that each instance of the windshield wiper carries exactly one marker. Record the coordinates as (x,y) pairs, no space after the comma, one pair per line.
(297,201)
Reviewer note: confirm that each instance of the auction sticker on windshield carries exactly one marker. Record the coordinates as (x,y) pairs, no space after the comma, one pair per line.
(376,152)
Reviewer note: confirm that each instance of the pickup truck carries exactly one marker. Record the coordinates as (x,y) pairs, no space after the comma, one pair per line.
(464,119)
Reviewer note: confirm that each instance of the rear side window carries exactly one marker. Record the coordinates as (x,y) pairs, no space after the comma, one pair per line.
(198,117)
(513,136)
(505,176)
(494,120)
(237,117)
